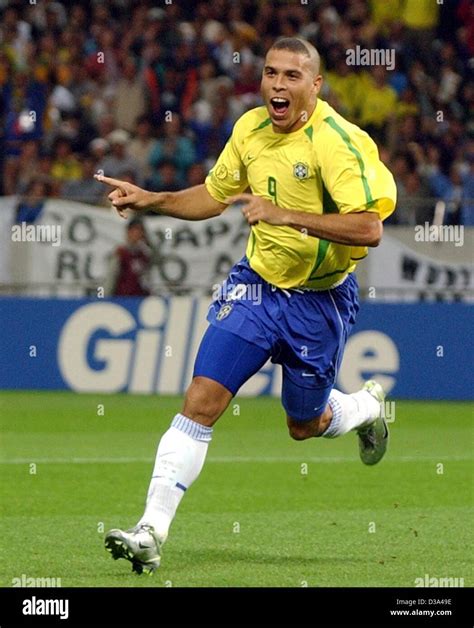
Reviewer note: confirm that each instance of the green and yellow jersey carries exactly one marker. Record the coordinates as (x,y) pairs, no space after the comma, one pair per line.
(376,104)
(329,165)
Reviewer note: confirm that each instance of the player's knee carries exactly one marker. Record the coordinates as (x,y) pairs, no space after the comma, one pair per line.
(301,430)
(203,409)
(298,433)
(205,401)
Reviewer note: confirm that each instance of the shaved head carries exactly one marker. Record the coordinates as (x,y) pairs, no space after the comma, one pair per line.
(300,46)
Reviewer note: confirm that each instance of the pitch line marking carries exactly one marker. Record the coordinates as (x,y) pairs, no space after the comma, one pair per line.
(232,459)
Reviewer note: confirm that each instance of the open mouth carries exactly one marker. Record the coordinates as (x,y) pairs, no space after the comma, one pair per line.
(279,106)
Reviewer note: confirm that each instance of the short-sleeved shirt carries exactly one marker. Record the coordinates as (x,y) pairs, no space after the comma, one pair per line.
(328,166)
(376,104)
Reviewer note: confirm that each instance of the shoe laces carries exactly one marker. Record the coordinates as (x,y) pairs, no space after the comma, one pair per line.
(368,436)
(143,527)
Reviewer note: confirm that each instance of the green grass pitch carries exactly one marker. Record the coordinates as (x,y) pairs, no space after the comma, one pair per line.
(254,517)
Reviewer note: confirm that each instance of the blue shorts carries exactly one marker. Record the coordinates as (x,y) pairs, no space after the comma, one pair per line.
(252,321)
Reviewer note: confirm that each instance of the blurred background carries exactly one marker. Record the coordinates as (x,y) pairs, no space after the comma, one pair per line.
(149,92)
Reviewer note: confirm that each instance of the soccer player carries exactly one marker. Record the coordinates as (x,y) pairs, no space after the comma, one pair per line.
(319,194)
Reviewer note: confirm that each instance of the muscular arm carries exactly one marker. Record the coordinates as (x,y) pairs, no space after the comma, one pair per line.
(353,229)
(190,204)
(357,229)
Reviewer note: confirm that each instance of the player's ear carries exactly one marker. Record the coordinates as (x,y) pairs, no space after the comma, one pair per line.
(317,83)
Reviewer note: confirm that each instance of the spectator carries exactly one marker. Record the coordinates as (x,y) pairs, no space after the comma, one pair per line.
(50,17)
(449,83)
(105,125)
(345,87)
(129,97)
(377,102)
(16,37)
(414,204)
(166,178)
(31,205)
(407,104)
(23,102)
(450,187)
(86,189)
(26,167)
(420,18)
(142,145)
(99,148)
(211,136)
(119,160)
(129,264)
(66,166)
(45,165)
(77,131)
(62,97)
(450,190)
(247,84)
(208,80)
(174,147)
(222,89)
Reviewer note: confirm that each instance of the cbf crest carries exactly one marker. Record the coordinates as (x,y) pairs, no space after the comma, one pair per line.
(225,310)
(301,170)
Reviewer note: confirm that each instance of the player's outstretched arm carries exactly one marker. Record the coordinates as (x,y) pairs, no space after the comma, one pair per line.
(190,204)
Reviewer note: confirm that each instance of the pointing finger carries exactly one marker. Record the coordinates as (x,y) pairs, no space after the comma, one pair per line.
(117,183)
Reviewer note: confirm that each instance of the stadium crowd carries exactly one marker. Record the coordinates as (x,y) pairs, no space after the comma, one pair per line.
(150,93)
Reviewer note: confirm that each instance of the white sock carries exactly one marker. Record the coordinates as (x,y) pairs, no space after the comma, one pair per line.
(350,412)
(179,460)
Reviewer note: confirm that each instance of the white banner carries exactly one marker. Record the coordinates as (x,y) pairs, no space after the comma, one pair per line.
(191,255)
(395,265)
(7,210)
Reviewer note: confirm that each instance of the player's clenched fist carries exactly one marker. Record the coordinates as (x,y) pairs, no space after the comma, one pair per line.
(126,195)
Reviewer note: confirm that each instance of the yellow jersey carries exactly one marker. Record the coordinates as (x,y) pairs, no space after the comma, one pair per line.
(420,14)
(382,14)
(329,165)
(347,89)
(375,104)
